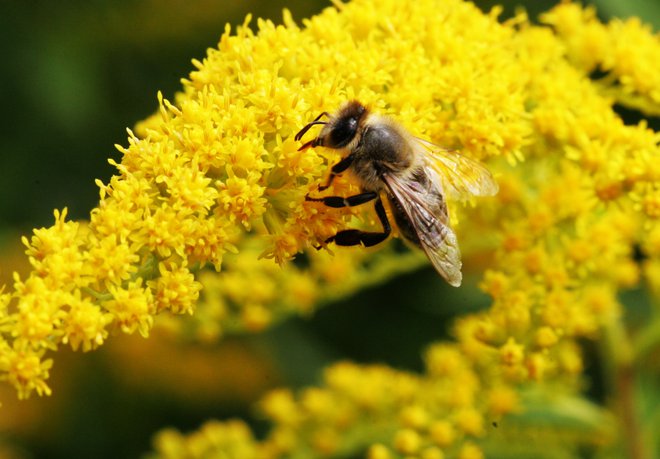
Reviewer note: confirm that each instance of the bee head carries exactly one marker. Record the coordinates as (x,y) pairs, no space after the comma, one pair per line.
(340,130)
(344,125)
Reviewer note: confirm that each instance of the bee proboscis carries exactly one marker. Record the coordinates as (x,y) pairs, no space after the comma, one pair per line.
(415,175)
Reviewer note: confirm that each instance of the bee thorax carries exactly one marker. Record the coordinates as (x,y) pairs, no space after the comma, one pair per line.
(381,149)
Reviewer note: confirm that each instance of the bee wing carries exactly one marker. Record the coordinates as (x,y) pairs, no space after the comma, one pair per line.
(435,236)
(462,177)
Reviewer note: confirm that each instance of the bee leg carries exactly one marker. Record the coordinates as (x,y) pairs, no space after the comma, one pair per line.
(340,201)
(306,145)
(367,239)
(337,169)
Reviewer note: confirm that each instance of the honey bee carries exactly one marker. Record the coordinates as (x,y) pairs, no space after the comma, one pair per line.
(415,175)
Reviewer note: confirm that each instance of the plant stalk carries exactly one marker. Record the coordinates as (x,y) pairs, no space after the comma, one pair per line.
(624,383)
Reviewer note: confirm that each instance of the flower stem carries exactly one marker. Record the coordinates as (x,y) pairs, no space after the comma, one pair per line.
(624,383)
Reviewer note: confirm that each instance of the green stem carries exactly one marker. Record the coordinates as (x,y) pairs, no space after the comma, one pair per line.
(624,383)
(148,270)
(647,339)
(99,296)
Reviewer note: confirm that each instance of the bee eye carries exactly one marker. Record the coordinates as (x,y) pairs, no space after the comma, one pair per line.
(342,133)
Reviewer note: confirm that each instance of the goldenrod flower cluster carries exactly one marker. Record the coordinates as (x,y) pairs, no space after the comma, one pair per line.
(252,293)
(215,179)
(625,52)
(563,226)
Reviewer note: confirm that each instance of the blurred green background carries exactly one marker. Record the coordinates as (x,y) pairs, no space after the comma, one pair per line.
(74,75)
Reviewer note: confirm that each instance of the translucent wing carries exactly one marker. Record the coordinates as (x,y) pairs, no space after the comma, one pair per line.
(431,225)
(461,176)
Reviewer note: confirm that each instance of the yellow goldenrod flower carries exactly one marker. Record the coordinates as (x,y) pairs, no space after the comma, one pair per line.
(503,400)
(25,370)
(470,451)
(512,353)
(215,180)
(624,50)
(432,453)
(470,421)
(442,433)
(414,416)
(233,438)
(175,289)
(85,324)
(407,441)
(378,451)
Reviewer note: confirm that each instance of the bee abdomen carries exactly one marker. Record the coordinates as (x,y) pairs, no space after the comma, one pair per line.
(403,223)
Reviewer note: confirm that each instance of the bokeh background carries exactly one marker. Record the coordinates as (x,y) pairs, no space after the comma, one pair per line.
(73,76)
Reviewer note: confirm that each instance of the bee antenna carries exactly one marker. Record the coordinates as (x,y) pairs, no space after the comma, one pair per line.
(306,128)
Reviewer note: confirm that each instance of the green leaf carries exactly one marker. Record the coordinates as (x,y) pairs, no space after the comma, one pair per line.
(552,426)
(647,10)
